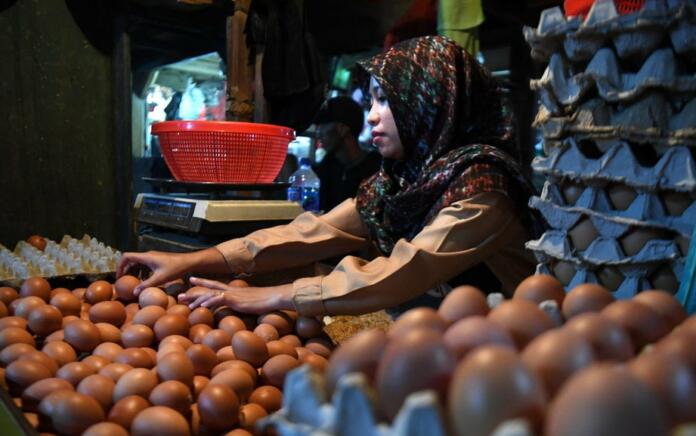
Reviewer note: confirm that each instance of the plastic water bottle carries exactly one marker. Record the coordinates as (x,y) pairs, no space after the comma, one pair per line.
(304,186)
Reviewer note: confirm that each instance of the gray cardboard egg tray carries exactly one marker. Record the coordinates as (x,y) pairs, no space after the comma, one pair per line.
(654,117)
(632,35)
(561,88)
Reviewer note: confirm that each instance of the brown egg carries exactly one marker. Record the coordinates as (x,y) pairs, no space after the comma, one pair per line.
(3,310)
(198,332)
(115,370)
(524,320)
(608,339)
(124,287)
(199,383)
(149,315)
(12,352)
(266,332)
(124,410)
(490,386)
(249,414)
(571,190)
(46,406)
(540,287)
(179,309)
(84,311)
(98,291)
(635,239)
(203,359)
(171,325)
(564,271)
(317,362)
(42,358)
(582,234)
(236,379)
(587,297)
(111,312)
(217,339)
(276,348)
(13,321)
(138,381)
(159,420)
(37,391)
(308,327)
(75,413)
(20,374)
(23,306)
(58,335)
(99,387)
(620,195)
(70,318)
(105,429)
(135,357)
(96,362)
(605,400)
(172,394)
(679,345)
(225,353)
(665,304)
(182,341)
(320,346)
(556,355)
(153,297)
(15,335)
(165,349)
(171,302)
(250,348)
(108,332)
(75,372)
(231,324)
(249,320)
(470,333)
(218,407)
(37,287)
(137,335)
(56,291)
(642,324)
(281,321)
(268,397)
(412,362)
(238,283)
(610,277)
(176,366)
(201,315)
(67,303)
(671,381)
(236,364)
(60,351)
(8,295)
(360,353)
(291,340)
(45,319)
(420,317)
(107,350)
(461,302)
(83,335)
(38,242)
(79,293)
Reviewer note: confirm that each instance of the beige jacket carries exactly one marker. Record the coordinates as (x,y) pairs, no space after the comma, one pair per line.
(483,228)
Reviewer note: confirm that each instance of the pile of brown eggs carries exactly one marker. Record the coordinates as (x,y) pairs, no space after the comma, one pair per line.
(601,367)
(102,361)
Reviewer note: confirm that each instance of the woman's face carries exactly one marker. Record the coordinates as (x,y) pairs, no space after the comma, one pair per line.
(385,135)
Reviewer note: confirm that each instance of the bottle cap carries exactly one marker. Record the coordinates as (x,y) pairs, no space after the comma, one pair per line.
(305,162)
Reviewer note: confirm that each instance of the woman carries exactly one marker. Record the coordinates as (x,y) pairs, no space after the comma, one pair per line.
(448,204)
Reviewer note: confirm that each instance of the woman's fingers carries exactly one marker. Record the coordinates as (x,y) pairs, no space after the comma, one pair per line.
(211,284)
(203,298)
(216,301)
(154,280)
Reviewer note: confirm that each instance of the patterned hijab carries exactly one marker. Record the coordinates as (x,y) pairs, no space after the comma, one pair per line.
(451,118)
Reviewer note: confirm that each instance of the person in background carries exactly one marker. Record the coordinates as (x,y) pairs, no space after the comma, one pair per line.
(448,206)
(346,164)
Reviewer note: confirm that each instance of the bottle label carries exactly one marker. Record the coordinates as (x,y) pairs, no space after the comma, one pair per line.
(307,197)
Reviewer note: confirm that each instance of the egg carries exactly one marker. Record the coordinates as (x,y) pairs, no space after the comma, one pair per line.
(96,362)
(124,410)
(111,312)
(236,379)
(610,277)
(281,321)
(250,348)
(125,286)
(412,362)
(42,358)
(556,355)
(135,357)
(137,335)
(232,324)
(107,350)
(642,324)
(266,332)
(201,315)
(524,320)
(472,332)
(172,394)
(115,370)
(634,241)
(620,195)
(360,353)
(153,297)
(302,352)
(105,429)
(44,320)
(218,407)
(23,306)
(278,347)
(607,400)
(665,304)
(587,297)
(13,321)
(60,351)
(137,381)
(308,327)
(291,340)
(608,339)
(417,318)
(58,335)
(461,302)
(571,190)
(564,271)
(70,318)
(320,346)
(199,383)
(79,293)
(276,368)
(176,366)
(15,335)
(249,414)
(540,287)
(75,372)
(46,406)
(679,345)
(3,310)
(182,341)
(67,303)
(148,315)
(108,332)
(159,420)
(76,413)
(99,387)
(198,332)
(83,335)
(98,291)
(236,364)
(38,242)
(317,362)
(12,352)
(8,295)
(490,386)
(203,359)
(165,349)
(36,287)
(268,397)
(171,325)
(37,391)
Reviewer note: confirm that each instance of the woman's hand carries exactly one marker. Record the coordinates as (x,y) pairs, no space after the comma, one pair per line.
(247,300)
(165,267)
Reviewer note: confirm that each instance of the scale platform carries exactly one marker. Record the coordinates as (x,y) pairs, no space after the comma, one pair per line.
(186,216)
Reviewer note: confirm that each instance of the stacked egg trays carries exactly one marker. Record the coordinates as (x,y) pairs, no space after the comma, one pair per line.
(100,360)
(543,362)
(618,117)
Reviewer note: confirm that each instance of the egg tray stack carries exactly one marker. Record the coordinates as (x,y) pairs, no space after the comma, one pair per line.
(618,117)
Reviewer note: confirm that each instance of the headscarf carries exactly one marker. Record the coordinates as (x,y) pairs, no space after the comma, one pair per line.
(458,136)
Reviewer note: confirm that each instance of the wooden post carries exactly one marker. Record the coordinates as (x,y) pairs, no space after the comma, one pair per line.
(240,100)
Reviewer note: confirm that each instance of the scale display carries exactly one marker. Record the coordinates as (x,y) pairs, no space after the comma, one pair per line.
(167,212)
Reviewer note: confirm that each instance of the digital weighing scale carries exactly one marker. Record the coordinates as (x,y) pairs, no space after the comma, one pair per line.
(186,216)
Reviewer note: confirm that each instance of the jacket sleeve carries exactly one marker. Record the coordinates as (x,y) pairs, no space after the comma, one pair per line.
(460,236)
(308,238)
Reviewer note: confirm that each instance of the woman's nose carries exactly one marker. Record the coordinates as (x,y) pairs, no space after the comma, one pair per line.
(372,117)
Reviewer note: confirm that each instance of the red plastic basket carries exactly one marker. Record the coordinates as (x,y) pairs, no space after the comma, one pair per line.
(223,151)
(582,7)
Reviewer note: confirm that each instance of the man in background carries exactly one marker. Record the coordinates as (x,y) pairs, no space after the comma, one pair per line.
(346,164)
